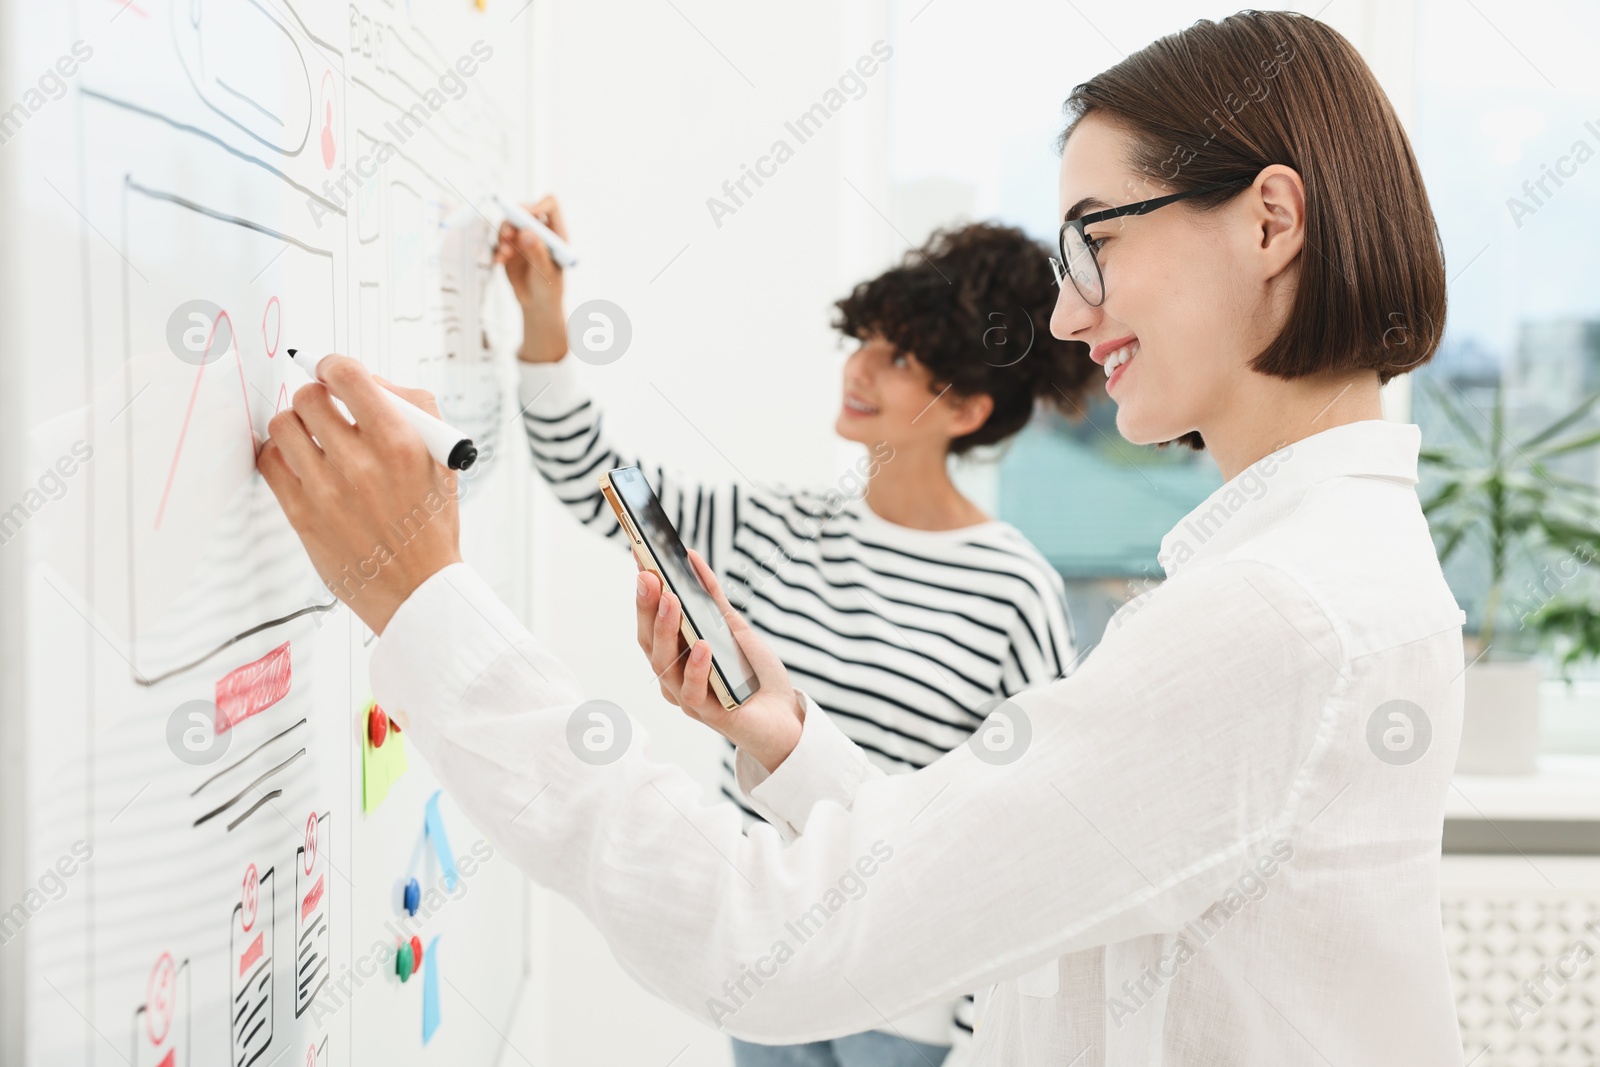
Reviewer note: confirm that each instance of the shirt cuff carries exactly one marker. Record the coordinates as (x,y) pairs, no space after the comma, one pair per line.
(825,765)
(550,389)
(420,668)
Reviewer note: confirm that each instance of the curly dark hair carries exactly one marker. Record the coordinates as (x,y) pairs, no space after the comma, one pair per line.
(973,305)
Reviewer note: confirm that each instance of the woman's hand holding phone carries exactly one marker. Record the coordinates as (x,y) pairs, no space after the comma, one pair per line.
(539,283)
(767,726)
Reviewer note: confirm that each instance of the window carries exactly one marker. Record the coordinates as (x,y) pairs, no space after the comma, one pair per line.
(1507,129)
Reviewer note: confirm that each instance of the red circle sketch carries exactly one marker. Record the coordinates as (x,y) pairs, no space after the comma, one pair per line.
(251,897)
(160,998)
(311,842)
(272,326)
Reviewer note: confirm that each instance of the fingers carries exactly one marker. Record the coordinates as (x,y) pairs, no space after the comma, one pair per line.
(314,405)
(666,642)
(714,587)
(548,211)
(533,249)
(646,608)
(696,688)
(280,478)
(527,245)
(503,250)
(294,445)
(422,398)
(348,380)
(684,673)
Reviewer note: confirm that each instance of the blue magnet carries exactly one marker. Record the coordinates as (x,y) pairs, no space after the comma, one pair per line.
(413,897)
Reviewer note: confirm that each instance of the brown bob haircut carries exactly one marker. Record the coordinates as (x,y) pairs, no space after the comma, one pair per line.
(1220,101)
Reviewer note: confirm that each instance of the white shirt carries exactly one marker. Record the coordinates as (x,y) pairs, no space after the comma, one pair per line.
(1211,849)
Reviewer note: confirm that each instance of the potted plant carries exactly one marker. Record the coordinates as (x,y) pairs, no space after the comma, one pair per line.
(1504,494)
(1571,620)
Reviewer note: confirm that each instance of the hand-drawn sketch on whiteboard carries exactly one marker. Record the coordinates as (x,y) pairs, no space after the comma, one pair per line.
(230,179)
(250,970)
(161,1023)
(313,934)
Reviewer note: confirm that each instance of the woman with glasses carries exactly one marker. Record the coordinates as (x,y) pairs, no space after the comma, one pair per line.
(1219,840)
(905,611)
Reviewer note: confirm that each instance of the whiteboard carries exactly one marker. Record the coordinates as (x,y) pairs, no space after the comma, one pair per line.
(191,188)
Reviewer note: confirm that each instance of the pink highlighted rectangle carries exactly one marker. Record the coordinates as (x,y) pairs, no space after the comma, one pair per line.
(253,688)
(313,898)
(250,956)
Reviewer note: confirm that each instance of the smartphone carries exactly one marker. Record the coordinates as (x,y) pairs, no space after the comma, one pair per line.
(658,548)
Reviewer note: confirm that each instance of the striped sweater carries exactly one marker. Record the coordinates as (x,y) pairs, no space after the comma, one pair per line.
(905,637)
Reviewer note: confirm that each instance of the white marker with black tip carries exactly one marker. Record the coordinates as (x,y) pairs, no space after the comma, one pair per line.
(445,443)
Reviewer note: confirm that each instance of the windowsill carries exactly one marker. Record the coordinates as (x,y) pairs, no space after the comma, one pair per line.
(1554,811)
(1564,787)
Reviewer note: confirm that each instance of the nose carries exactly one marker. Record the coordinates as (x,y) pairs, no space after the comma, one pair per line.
(857,367)
(1072,315)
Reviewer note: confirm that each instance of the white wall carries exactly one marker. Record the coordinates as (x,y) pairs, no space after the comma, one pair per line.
(644,110)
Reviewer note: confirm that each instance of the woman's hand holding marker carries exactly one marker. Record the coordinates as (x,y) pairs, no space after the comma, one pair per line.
(376,512)
(539,283)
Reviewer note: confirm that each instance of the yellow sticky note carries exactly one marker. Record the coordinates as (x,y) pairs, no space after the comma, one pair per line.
(380,767)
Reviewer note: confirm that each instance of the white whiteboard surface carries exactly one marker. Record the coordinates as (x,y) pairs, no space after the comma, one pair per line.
(310,170)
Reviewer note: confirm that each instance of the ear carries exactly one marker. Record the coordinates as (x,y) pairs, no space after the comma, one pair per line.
(1278,210)
(969,413)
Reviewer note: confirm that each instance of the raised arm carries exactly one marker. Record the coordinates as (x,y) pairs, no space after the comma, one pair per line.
(567,436)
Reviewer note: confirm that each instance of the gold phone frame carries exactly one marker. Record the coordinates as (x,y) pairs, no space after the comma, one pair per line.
(646,557)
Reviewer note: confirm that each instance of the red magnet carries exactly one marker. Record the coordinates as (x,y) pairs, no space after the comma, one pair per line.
(377,726)
(416,953)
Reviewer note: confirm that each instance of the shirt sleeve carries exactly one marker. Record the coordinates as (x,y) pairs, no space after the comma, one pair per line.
(571,450)
(1137,789)
(1043,645)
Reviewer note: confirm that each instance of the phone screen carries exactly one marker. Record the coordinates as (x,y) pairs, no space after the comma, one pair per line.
(662,539)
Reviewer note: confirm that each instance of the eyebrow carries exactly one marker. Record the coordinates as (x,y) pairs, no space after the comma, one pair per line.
(1083,206)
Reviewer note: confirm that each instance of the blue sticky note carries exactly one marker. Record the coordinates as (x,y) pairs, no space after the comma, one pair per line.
(441,843)
(430,990)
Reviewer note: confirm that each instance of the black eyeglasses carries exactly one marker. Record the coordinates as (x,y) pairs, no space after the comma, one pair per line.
(1077,253)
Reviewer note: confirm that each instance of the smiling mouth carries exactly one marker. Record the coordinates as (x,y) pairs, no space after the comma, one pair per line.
(1118,360)
(856,407)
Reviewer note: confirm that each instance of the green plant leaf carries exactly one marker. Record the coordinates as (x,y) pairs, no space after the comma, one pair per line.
(1587,441)
(1454,535)
(1447,404)
(1563,422)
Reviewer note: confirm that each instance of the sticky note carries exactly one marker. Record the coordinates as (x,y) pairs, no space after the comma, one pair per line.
(380,767)
(441,843)
(430,990)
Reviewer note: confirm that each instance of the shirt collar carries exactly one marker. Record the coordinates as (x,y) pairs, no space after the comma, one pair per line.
(1270,488)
